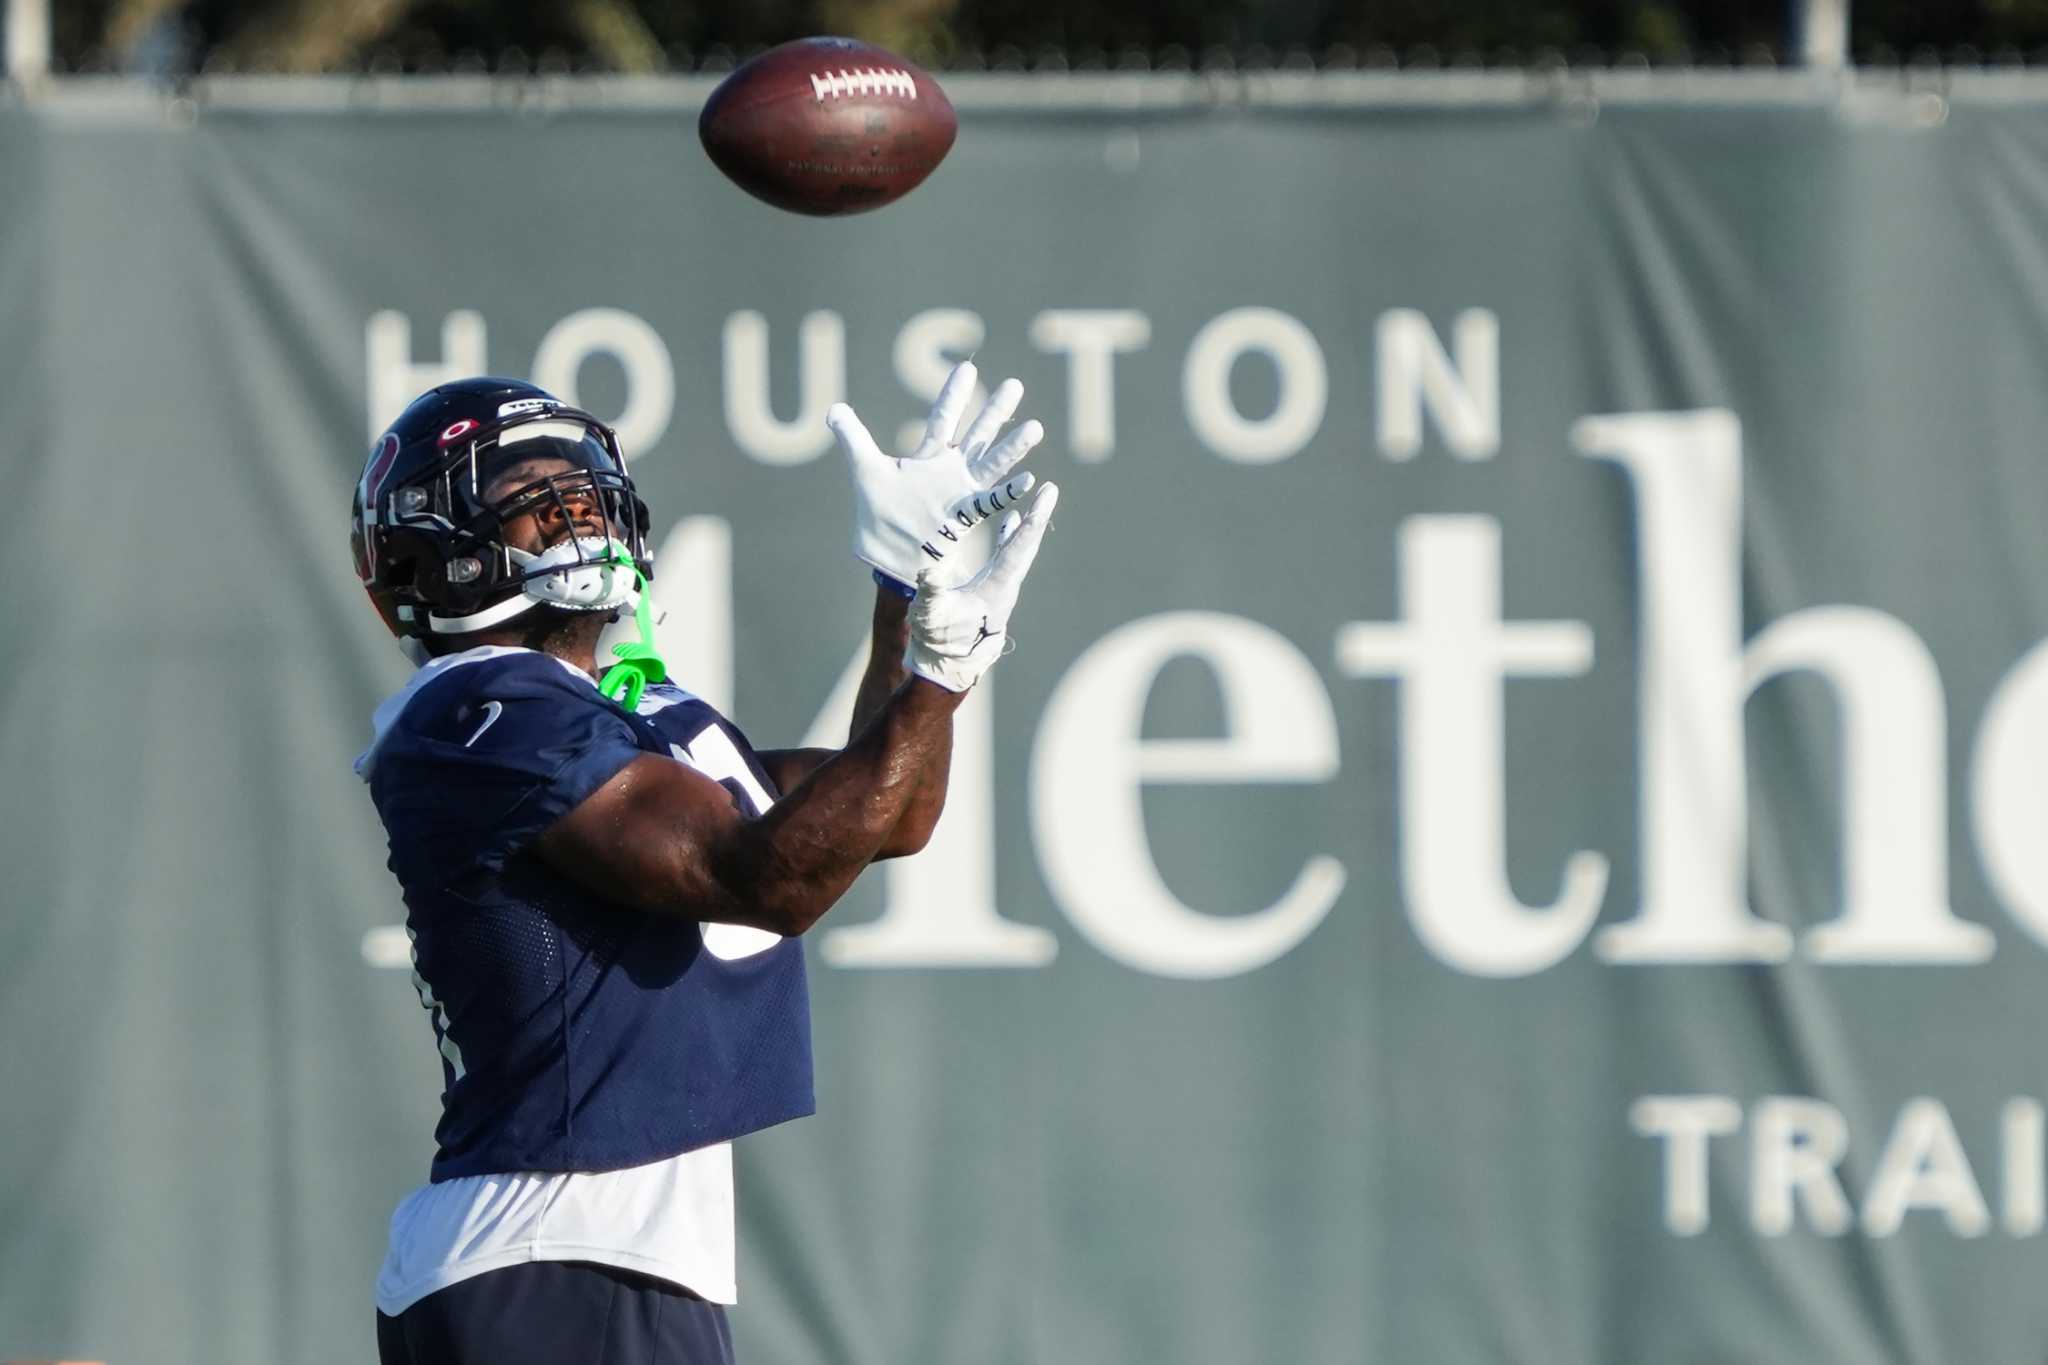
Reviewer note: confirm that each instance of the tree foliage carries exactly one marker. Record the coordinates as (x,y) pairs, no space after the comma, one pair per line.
(310,35)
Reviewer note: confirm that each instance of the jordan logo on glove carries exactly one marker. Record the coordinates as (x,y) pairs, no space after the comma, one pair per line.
(957,631)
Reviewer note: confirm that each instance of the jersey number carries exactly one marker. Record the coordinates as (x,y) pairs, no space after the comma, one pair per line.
(713,754)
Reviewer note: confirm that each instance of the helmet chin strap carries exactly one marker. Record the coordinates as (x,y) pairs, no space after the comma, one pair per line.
(574,575)
(639,663)
(483,620)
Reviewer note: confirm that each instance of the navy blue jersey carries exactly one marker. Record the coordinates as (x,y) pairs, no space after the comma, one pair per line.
(576,1034)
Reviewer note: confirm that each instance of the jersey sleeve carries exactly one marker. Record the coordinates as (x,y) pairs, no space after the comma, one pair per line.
(486,758)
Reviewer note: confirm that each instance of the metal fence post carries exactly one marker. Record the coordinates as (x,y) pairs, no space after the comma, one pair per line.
(1823,41)
(27,35)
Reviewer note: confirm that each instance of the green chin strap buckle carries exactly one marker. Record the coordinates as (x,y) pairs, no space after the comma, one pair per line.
(638,663)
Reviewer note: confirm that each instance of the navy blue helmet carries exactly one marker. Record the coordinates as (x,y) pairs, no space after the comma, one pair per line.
(427,540)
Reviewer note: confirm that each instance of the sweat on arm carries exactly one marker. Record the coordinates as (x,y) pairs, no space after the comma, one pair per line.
(665,837)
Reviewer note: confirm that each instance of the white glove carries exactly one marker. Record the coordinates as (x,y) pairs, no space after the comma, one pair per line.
(957,630)
(909,513)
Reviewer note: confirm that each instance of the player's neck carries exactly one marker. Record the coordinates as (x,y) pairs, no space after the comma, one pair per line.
(572,638)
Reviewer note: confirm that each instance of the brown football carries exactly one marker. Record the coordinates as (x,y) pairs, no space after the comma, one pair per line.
(827,126)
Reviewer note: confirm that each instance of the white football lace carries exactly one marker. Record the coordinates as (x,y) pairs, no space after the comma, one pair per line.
(867,80)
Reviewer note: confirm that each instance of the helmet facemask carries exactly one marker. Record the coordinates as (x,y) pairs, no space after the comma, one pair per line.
(452,521)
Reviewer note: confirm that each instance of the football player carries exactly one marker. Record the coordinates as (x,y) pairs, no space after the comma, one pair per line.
(604,882)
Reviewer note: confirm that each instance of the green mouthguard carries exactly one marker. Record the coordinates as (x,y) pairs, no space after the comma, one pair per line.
(639,664)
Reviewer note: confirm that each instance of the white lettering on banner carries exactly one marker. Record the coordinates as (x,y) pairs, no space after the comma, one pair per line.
(939,908)
(1414,373)
(1091,339)
(692,610)
(1923,1167)
(1685,476)
(1796,1150)
(2021,1130)
(1894,784)
(1304,385)
(1686,473)
(642,355)
(1452,652)
(1090,765)
(1685,1123)
(821,382)
(2009,798)
(927,349)
(1795,1145)
(396,378)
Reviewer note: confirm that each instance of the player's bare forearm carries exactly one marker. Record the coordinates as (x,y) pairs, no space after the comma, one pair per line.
(885,671)
(908,514)
(881,784)
(885,675)
(666,838)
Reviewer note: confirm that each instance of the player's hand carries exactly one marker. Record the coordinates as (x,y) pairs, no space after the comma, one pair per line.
(910,513)
(957,630)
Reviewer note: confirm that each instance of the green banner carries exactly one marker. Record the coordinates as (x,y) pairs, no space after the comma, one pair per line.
(1513,830)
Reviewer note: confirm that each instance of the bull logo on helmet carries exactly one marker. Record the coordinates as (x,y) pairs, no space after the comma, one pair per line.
(380,466)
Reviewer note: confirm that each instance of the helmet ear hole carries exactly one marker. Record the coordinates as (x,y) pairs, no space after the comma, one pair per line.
(458,585)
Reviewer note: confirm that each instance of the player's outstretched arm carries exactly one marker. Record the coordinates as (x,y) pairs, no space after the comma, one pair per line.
(909,514)
(885,673)
(663,836)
